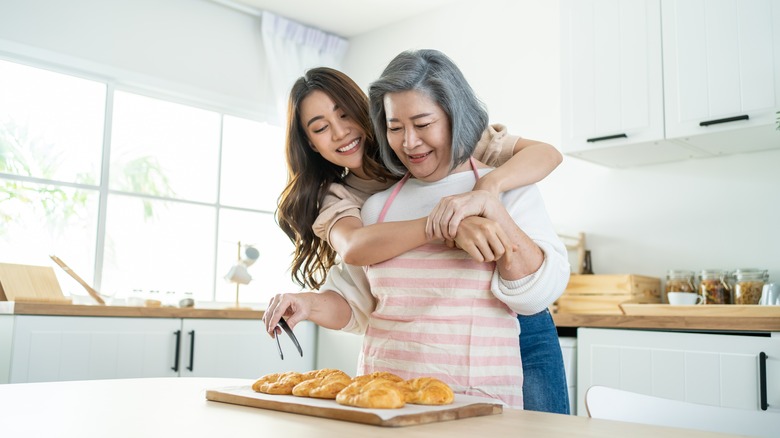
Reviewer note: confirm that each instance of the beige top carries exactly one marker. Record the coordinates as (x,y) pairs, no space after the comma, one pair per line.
(342,200)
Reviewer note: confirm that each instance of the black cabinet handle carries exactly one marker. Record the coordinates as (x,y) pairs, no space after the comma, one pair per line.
(608,137)
(192,350)
(175,366)
(762,379)
(726,120)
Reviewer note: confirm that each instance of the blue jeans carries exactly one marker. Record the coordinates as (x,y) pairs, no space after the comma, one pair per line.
(544,378)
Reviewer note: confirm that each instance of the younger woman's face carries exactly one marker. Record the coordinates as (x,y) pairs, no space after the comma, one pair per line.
(418,131)
(332,133)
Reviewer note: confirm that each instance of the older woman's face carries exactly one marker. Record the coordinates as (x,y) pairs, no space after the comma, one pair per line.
(419,133)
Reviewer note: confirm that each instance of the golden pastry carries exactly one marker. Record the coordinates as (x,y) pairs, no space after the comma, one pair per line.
(428,391)
(378,375)
(278,383)
(377,393)
(324,385)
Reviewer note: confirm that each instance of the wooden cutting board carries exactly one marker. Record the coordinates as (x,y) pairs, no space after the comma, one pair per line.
(463,407)
(30,283)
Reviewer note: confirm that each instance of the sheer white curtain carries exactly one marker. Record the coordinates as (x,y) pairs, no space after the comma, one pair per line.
(292,48)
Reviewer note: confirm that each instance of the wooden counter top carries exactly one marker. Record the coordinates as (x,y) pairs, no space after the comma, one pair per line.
(21,308)
(573,320)
(692,322)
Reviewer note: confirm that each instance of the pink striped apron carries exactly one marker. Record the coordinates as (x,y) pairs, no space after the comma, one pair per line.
(436,316)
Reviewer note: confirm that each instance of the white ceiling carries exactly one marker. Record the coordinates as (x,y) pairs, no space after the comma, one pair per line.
(345,18)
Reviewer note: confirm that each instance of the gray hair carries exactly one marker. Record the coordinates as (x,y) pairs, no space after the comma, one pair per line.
(433,73)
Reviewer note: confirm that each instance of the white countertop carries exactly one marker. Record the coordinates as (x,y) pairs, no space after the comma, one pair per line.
(171,407)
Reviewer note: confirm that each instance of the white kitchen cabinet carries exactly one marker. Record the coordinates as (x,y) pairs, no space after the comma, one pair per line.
(241,348)
(640,77)
(54,348)
(569,352)
(338,349)
(706,368)
(722,73)
(6,338)
(612,83)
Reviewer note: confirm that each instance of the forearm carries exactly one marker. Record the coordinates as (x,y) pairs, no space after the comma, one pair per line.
(367,245)
(539,290)
(328,309)
(526,257)
(531,163)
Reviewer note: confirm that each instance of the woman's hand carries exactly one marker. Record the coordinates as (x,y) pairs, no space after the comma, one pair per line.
(294,307)
(484,240)
(446,217)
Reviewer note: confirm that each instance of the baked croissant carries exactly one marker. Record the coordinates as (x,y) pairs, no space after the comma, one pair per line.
(319,373)
(378,375)
(326,384)
(278,383)
(378,393)
(428,391)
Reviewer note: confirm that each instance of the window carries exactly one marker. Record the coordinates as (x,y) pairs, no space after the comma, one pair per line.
(183,186)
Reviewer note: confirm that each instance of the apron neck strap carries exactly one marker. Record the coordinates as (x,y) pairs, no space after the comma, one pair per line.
(403,181)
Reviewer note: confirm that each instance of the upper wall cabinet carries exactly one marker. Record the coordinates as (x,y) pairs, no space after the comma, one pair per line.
(722,73)
(622,104)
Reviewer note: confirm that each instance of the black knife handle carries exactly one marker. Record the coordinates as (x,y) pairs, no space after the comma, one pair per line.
(726,120)
(175,366)
(192,350)
(608,137)
(762,379)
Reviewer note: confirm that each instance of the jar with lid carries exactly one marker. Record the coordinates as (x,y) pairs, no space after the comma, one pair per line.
(679,281)
(748,284)
(714,287)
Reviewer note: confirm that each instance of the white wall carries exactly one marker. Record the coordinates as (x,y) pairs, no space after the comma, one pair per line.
(712,213)
(196,49)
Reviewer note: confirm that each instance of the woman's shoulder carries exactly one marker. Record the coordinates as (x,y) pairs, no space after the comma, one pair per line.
(496,145)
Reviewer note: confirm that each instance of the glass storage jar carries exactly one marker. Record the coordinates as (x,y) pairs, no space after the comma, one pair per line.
(679,281)
(748,284)
(714,287)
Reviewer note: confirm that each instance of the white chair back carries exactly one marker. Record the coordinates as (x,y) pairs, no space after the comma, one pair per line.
(615,404)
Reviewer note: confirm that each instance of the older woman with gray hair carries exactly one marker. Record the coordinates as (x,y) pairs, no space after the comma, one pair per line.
(428,119)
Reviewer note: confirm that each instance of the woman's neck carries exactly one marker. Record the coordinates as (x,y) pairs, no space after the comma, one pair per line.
(359,173)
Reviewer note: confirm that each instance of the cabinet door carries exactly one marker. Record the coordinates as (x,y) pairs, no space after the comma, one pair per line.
(55,348)
(6,339)
(338,349)
(721,61)
(241,348)
(611,73)
(712,369)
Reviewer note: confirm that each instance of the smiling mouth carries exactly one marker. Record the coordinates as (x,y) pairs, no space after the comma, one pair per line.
(350,146)
(416,158)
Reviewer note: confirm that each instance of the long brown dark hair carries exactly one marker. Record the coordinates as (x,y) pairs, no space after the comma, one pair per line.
(309,175)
